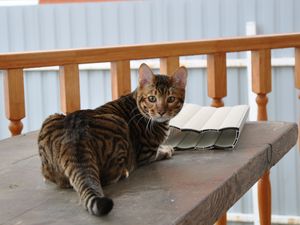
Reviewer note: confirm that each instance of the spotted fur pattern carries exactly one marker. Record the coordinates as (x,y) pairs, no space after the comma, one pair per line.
(90,148)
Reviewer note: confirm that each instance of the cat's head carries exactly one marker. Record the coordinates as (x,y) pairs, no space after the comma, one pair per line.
(160,97)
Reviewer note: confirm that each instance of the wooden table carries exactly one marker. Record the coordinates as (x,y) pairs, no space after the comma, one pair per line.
(194,187)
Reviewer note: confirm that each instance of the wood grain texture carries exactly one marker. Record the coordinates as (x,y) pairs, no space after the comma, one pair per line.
(14,99)
(169,65)
(69,88)
(146,51)
(297,68)
(152,192)
(261,71)
(120,78)
(216,78)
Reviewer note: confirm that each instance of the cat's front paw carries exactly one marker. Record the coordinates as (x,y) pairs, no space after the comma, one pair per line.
(125,173)
(164,152)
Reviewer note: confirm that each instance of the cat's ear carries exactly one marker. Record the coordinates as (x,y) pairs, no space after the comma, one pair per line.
(145,75)
(180,77)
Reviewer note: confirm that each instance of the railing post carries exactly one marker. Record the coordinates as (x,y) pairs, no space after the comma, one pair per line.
(169,65)
(14,99)
(261,85)
(120,78)
(261,80)
(69,88)
(217,89)
(216,78)
(297,78)
(222,220)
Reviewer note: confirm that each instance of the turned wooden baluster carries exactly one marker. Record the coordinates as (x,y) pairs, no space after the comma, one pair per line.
(120,78)
(217,89)
(297,78)
(216,78)
(169,65)
(261,85)
(222,220)
(14,99)
(69,88)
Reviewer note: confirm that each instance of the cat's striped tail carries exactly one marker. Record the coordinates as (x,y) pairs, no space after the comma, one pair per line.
(86,182)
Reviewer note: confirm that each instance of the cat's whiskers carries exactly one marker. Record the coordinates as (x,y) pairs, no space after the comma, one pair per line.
(132,118)
(148,123)
(133,110)
(151,125)
(140,119)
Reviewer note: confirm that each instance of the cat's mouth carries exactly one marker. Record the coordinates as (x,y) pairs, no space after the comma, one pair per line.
(160,119)
(156,117)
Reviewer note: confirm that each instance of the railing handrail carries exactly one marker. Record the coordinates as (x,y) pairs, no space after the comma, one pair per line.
(147,51)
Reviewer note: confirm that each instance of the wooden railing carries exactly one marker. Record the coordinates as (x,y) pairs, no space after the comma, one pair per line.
(169,53)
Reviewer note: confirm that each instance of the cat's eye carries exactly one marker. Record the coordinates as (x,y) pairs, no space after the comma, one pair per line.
(170,99)
(152,98)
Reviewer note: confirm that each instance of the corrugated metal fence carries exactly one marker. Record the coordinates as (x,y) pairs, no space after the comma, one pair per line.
(90,25)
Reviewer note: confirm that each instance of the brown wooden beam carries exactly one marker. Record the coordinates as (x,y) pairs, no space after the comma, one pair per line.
(146,51)
(69,88)
(120,78)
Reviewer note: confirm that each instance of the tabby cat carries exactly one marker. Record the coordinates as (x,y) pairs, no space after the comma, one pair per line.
(90,148)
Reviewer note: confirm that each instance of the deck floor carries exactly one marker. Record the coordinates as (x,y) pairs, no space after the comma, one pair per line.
(194,187)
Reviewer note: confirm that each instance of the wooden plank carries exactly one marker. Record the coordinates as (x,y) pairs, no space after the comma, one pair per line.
(216,78)
(145,51)
(69,88)
(152,191)
(14,99)
(120,78)
(169,65)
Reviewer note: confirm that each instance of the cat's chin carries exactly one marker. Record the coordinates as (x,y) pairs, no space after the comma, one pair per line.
(160,119)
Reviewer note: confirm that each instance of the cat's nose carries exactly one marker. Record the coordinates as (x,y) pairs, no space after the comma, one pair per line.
(162,112)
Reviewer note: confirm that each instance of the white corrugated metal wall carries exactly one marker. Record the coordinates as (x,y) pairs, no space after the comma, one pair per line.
(92,25)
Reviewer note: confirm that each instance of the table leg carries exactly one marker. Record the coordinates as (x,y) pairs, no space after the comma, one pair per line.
(222,220)
(264,199)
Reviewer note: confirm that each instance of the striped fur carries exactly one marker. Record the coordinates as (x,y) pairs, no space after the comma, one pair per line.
(90,148)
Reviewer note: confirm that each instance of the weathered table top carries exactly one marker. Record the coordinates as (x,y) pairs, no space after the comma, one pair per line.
(194,187)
